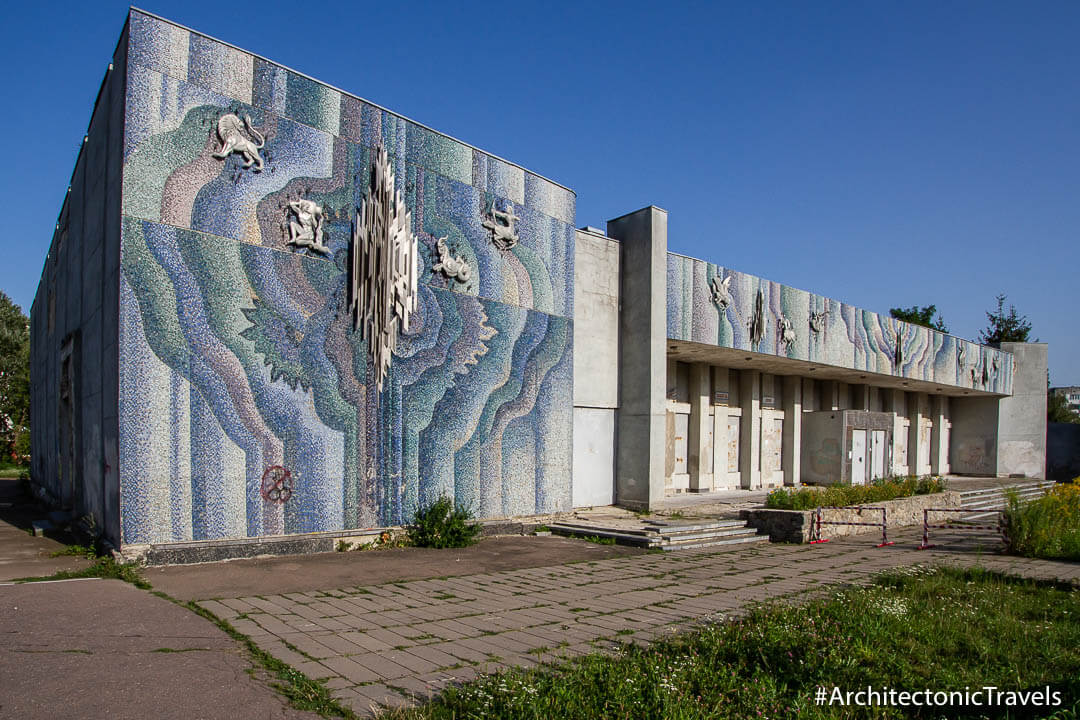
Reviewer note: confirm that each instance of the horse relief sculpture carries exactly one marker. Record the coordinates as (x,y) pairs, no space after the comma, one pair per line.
(306,227)
(721,292)
(450,266)
(230,132)
(501,224)
(786,331)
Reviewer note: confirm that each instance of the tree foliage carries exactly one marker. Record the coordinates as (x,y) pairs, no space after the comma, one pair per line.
(1005,326)
(14,373)
(1057,409)
(921,316)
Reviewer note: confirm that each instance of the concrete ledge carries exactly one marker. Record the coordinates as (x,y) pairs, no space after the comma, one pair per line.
(796,526)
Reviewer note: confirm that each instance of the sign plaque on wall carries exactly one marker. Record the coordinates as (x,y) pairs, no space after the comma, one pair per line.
(719,398)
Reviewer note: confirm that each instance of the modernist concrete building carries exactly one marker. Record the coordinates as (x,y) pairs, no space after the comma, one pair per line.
(271,308)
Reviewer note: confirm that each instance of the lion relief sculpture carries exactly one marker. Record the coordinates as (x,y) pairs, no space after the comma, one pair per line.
(230,132)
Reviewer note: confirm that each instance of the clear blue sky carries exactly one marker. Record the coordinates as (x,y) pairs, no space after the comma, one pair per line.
(883,153)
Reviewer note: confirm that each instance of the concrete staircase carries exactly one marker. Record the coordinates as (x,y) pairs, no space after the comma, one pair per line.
(667,534)
(985,503)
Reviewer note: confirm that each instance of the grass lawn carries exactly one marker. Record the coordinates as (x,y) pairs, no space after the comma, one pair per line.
(11,470)
(915,629)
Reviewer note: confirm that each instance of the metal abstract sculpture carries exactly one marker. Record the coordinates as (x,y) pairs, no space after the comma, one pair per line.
(450,266)
(230,132)
(383,268)
(721,294)
(306,230)
(501,224)
(757,322)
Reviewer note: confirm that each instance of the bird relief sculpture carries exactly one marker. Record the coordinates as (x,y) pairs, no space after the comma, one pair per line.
(721,293)
(306,227)
(501,224)
(230,132)
(450,266)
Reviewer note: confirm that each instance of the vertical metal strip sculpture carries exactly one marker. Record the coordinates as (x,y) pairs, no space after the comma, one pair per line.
(383,267)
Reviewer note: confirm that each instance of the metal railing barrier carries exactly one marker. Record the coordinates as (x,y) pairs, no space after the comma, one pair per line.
(816,531)
(1000,527)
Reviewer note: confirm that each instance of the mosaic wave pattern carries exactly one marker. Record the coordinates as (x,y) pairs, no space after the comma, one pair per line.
(847,336)
(238,354)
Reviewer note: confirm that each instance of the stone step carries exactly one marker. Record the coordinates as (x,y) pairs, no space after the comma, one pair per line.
(677,526)
(741,529)
(668,536)
(740,540)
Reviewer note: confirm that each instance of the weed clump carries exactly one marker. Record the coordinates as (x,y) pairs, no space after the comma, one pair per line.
(806,498)
(441,525)
(1045,528)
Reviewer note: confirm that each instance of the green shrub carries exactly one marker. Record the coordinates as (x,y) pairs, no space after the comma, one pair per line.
(808,498)
(441,525)
(1045,528)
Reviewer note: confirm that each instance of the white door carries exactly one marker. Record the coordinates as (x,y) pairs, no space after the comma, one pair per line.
(877,454)
(858,457)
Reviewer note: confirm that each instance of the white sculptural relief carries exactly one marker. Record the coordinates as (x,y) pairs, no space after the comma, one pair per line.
(230,132)
(306,229)
(383,270)
(721,292)
(786,331)
(501,224)
(817,320)
(450,266)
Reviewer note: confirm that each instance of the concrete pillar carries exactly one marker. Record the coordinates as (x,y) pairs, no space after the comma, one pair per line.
(700,440)
(641,441)
(900,433)
(830,395)
(750,431)
(792,448)
(1021,446)
(843,396)
(915,443)
(860,397)
(809,397)
(939,443)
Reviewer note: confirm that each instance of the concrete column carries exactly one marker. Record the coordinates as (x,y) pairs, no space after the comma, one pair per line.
(809,397)
(843,396)
(1021,446)
(914,447)
(830,395)
(792,448)
(860,395)
(750,430)
(700,440)
(939,447)
(900,434)
(640,451)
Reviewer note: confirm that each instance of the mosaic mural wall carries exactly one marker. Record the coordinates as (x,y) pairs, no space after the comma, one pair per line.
(713,305)
(248,402)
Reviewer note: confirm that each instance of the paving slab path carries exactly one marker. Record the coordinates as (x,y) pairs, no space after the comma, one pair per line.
(380,646)
(105,649)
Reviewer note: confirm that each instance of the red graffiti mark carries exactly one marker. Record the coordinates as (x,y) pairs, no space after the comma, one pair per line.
(277,484)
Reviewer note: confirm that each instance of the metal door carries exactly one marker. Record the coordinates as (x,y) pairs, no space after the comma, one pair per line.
(877,454)
(858,457)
